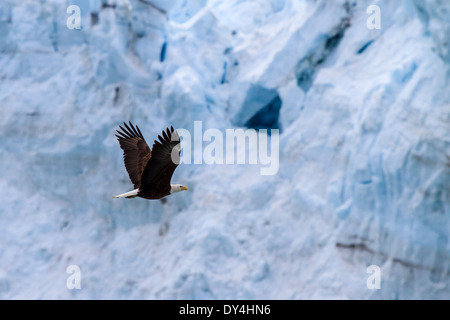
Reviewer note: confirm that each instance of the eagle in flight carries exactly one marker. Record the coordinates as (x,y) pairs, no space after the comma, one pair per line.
(150,170)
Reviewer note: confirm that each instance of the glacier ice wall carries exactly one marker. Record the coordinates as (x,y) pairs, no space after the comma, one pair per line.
(364,160)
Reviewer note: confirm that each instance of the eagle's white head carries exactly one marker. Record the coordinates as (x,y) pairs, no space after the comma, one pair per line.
(177,188)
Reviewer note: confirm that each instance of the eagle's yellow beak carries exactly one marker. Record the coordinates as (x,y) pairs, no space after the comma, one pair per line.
(184,188)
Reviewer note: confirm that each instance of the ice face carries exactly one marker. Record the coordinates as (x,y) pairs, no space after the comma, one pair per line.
(364,149)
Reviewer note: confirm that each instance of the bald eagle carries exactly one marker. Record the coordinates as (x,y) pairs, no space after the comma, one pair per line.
(150,170)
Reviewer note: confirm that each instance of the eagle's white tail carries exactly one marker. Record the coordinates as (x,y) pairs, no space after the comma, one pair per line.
(129,195)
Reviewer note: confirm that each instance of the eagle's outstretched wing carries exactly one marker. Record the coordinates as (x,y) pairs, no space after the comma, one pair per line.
(136,152)
(165,159)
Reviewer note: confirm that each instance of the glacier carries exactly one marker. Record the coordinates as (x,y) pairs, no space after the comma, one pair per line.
(364,178)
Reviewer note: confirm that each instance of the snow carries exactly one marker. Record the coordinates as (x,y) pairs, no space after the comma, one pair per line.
(364,149)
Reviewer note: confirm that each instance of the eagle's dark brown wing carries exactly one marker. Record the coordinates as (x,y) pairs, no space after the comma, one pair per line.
(136,152)
(165,159)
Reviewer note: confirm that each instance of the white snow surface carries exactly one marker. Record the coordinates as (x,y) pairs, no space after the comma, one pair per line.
(364,173)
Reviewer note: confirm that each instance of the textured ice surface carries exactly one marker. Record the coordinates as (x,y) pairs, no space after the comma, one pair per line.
(364,160)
